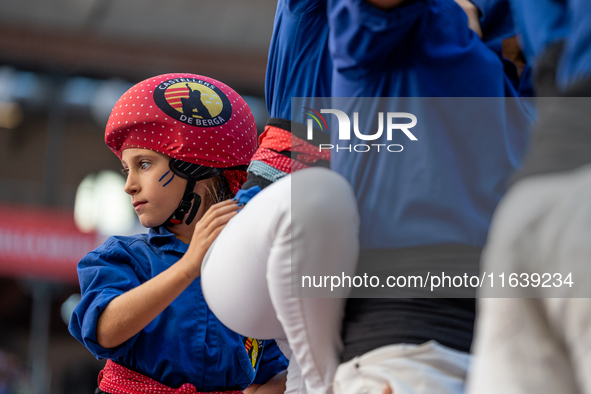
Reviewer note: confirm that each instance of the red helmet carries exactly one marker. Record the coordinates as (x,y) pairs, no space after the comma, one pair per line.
(201,123)
(187,117)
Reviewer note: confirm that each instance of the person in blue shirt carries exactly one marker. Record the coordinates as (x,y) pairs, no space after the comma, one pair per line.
(429,196)
(429,206)
(142,307)
(441,193)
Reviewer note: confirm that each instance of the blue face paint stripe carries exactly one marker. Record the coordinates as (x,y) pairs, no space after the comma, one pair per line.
(171,178)
(163,176)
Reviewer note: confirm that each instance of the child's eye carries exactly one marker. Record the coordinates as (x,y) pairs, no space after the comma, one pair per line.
(125,172)
(144,165)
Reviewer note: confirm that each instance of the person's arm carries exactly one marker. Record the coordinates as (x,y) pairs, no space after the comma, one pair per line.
(275,385)
(473,15)
(129,313)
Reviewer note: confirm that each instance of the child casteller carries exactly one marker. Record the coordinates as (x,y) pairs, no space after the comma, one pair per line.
(185,142)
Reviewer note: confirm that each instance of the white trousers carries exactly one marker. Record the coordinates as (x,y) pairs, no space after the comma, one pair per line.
(538,345)
(429,368)
(250,276)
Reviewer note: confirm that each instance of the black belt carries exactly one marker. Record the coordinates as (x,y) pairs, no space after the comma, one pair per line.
(371,323)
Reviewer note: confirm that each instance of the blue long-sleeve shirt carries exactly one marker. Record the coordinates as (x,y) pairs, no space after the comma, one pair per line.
(185,343)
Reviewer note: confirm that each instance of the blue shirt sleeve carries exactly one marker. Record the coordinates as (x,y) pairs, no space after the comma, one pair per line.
(362,35)
(272,362)
(299,63)
(539,23)
(104,274)
(575,64)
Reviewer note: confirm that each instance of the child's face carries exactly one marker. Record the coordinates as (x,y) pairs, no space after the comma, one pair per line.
(155,191)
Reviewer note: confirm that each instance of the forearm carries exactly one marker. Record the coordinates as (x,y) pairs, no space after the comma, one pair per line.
(129,313)
(275,385)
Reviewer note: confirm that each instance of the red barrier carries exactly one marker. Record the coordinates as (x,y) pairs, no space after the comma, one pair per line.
(41,243)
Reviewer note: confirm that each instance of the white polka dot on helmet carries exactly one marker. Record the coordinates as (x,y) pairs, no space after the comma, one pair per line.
(173,113)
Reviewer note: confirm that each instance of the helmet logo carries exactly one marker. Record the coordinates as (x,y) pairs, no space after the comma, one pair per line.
(193,101)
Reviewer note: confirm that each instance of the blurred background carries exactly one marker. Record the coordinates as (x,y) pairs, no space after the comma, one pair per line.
(63,65)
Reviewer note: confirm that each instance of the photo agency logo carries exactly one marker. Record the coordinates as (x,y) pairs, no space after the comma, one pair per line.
(392,120)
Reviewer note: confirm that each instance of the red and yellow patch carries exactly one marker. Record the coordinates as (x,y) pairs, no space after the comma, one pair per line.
(254,349)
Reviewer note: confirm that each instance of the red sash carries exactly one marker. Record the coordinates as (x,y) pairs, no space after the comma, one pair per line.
(116,379)
(274,140)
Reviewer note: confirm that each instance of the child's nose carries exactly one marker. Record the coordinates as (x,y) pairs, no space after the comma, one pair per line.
(131,186)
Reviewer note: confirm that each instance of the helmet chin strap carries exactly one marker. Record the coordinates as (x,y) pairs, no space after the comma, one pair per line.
(191,201)
(186,205)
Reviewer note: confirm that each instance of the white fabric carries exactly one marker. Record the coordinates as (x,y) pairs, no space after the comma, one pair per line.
(247,274)
(538,345)
(429,368)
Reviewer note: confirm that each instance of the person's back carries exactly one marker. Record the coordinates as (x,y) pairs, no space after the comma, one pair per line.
(429,204)
(425,49)
(442,188)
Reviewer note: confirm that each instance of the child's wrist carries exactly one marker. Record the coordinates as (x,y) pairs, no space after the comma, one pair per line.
(191,263)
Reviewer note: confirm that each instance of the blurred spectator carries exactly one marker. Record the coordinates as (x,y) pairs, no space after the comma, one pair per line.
(13,376)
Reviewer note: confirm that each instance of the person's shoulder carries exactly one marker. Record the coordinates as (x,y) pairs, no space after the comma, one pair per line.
(303,7)
(118,251)
(117,243)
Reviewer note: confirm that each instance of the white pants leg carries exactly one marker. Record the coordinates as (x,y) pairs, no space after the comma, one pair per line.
(429,368)
(538,345)
(250,275)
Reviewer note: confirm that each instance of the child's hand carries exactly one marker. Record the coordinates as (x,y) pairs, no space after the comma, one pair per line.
(207,230)
(130,312)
